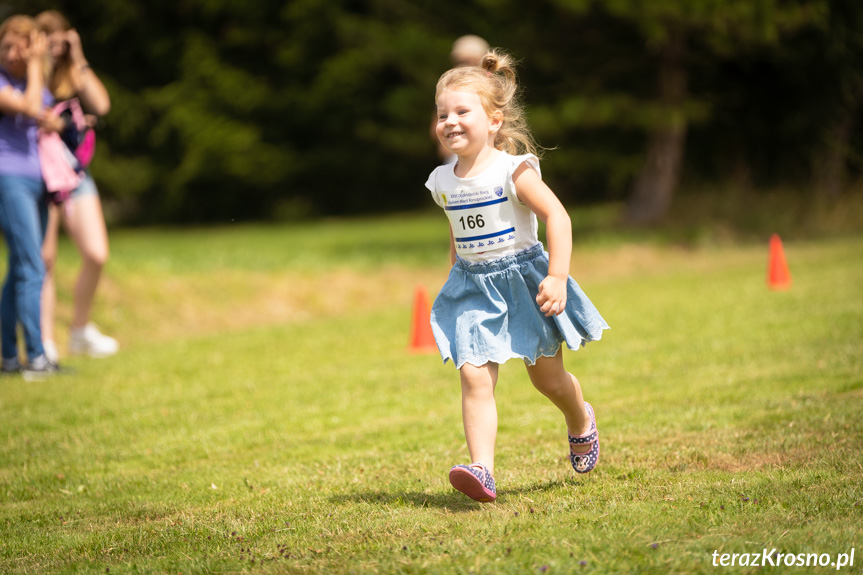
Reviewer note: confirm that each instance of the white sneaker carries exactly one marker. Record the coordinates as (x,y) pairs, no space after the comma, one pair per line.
(51,352)
(39,368)
(88,340)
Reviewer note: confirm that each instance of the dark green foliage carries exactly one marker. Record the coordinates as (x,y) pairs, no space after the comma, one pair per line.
(228,110)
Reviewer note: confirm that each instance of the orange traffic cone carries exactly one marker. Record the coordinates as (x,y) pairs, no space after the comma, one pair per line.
(778,276)
(422,338)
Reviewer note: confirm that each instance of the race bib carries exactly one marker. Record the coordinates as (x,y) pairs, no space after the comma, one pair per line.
(482,220)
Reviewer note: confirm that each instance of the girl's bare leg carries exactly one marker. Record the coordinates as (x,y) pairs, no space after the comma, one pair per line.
(479,411)
(561,387)
(86,226)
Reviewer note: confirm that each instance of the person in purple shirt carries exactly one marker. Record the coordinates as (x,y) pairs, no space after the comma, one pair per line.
(24,109)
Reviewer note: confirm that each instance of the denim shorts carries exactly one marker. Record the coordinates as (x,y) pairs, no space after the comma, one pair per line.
(487,312)
(87,187)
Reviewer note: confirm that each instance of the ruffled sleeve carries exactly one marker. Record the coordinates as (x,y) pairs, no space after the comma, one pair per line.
(431,184)
(516,161)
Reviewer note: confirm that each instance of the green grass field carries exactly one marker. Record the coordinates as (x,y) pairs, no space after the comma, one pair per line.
(265,415)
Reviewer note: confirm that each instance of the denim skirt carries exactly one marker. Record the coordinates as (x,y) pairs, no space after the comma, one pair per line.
(487,312)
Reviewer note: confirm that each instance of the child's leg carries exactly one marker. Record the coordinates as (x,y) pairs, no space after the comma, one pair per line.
(86,225)
(553,381)
(479,411)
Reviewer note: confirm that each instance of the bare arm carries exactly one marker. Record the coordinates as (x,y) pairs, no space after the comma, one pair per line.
(91,91)
(558,228)
(30,102)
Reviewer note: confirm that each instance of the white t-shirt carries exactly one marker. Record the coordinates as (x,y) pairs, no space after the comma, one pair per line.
(488,220)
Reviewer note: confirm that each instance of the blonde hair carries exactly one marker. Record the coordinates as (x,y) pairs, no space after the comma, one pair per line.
(61,80)
(494,81)
(18,25)
(23,26)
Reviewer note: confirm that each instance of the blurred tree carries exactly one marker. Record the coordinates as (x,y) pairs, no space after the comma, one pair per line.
(668,27)
(224,109)
(838,62)
(228,109)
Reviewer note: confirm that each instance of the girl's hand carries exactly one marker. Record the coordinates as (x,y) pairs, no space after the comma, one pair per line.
(552,296)
(49,121)
(38,46)
(76,51)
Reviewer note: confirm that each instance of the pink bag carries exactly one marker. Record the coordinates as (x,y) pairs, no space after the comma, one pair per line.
(86,148)
(58,169)
(78,135)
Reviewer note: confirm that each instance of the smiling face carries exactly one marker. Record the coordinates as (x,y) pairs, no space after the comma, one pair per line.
(463,126)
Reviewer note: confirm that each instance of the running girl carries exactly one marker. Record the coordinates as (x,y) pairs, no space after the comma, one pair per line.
(505,296)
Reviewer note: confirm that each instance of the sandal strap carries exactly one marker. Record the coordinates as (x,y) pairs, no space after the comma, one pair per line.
(585,462)
(585,439)
(589,437)
(482,474)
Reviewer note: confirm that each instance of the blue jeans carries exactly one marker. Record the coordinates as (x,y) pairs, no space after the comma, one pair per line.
(23,217)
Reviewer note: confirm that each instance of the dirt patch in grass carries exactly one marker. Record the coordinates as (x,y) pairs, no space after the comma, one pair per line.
(754,461)
(139,308)
(144,306)
(645,260)
(702,451)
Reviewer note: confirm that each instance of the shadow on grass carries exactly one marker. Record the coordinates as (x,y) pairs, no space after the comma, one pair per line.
(452,500)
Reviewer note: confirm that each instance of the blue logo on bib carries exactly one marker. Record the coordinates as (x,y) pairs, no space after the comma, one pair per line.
(498,191)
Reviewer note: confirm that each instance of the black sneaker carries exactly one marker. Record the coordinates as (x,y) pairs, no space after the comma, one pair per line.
(11,366)
(40,368)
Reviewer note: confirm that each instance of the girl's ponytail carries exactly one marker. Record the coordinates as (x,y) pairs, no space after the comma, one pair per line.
(514,136)
(495,81)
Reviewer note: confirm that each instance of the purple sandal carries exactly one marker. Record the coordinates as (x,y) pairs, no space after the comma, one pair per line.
(473,480)
(584,462)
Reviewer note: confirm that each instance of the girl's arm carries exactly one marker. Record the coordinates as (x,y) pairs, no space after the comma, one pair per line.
(30,102)
(91,91)
(14,103)
(558,230)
